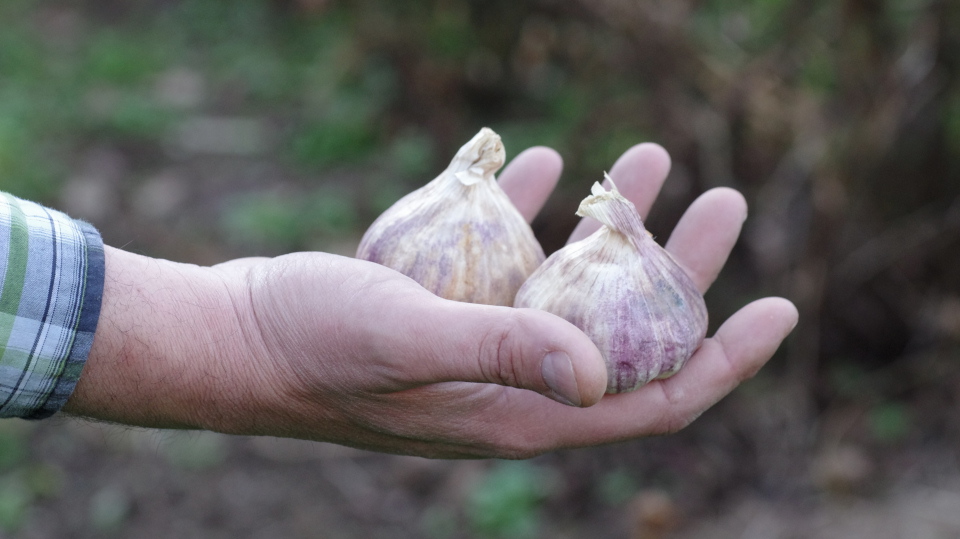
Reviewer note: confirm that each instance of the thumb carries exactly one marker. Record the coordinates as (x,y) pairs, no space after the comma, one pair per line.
(523,348)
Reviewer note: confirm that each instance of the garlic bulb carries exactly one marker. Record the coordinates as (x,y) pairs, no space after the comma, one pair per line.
(625,292)
(459,236)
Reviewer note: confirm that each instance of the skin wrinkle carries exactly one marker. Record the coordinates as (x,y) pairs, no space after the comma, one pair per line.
(512,442)
(400,432)
(253,338)
(216,371)
(674,420)
(731,376)
(718,338)
(303,388)
(495,371)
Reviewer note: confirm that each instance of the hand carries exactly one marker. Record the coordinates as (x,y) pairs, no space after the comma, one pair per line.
(322,347)
(371,359)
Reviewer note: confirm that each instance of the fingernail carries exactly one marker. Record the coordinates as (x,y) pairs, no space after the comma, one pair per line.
(557,371)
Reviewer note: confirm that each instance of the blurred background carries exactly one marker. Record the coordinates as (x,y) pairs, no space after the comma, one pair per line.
(200,130)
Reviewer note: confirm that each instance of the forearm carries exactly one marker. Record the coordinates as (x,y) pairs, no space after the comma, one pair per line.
(164,347)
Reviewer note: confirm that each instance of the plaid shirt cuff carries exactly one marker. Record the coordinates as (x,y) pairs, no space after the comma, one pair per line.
(52,271)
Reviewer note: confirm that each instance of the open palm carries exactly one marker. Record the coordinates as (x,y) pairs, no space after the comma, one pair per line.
(361,355)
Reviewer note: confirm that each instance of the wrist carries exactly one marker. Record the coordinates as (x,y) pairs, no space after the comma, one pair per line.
(166,347)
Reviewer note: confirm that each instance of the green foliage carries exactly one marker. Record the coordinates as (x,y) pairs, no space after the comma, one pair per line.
(112,58)
(848,380)
(506,503)
(191,451)
(952,119)
(412,155)
(334,143)
(25,168)
(288,222)
(13,445)
(449,32)
(603,151)
(889,422)
(206,22)
(819,71)
(43,480)
(127,115)
(15,499)
(22,486)
(109,508)
(616,487)
(741,26)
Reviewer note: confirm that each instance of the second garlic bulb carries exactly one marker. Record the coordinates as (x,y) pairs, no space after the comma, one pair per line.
(459,236)
(625,292)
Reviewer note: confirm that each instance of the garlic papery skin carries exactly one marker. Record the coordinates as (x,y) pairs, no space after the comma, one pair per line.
(459,236)
(625,292)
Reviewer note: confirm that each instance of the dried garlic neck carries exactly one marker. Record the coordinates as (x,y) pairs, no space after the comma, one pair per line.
(479,158)
(613,211)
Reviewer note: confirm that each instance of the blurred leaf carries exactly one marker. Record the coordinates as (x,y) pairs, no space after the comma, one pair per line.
(285,223)
(15,499)
(411,155)
(848,379)
(20,57)
(506,503)
(120,59)
(819,71)
(604,150)
(889,422)
(386,191)
(951,118)
(24,169)
(449,34)
(616,487)
(13,445)
(330,212)
(109,508)
(44,480)
(332,143)
(220,22)
(255,70)
(194,450)
(750,25)
(133,115)
(263,219)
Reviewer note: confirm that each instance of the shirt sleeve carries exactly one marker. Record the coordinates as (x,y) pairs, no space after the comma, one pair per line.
(51,286)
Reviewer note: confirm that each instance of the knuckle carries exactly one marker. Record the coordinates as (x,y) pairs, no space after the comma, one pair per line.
(675,421)
(498,353)
(518,448)
(512,436)
(677,415)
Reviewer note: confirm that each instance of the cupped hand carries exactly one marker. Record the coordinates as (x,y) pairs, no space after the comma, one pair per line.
(347,351)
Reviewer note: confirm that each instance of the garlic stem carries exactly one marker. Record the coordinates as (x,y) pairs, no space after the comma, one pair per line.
(479,158)
(613,210)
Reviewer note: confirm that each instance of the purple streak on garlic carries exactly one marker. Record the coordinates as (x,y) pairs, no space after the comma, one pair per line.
(625,292)
(459,236)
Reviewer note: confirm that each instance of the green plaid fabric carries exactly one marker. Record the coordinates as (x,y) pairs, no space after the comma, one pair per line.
(52,283)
